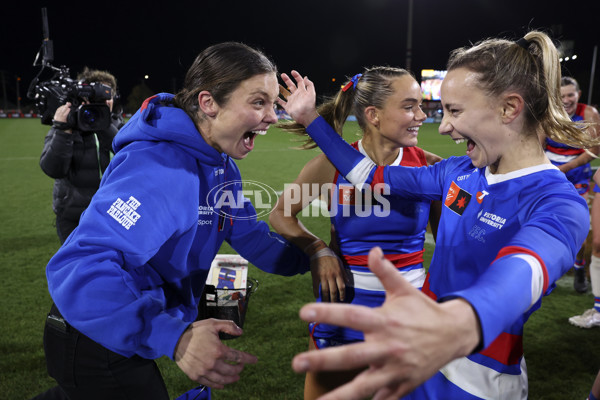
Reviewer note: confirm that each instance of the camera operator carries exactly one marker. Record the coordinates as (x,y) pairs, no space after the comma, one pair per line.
(77,159)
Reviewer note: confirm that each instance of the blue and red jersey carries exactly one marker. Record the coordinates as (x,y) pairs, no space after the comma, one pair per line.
(560,153)
(503,241)
(364,219)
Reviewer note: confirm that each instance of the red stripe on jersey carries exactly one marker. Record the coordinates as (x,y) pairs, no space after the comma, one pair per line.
(413,157)
(377,177)
(399,260)
(427,290)
(506,348)
(510,250)
(564,151)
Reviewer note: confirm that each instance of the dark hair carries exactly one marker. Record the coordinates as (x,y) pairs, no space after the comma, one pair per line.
(94,75)
(220,69)
(567,80)
(534,72)
(373,88)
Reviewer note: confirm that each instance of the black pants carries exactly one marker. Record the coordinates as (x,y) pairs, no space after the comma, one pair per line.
(86,370)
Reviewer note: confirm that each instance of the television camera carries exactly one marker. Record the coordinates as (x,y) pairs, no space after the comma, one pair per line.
(89,111)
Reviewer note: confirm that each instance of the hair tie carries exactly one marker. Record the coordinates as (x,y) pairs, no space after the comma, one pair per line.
(353,82)
(524,43)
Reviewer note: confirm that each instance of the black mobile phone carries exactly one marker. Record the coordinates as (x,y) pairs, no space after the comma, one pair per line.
(57,323)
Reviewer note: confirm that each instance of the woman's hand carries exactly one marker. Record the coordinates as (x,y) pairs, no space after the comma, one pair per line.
(205,359)
(299,98)
(329,272)
(407,340)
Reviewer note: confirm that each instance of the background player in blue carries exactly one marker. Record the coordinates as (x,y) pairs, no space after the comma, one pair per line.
(591,318)
(127,282)
(575,162)
(387,104)
(511,226)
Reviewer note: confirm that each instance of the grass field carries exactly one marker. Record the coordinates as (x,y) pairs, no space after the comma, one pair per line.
(562,360)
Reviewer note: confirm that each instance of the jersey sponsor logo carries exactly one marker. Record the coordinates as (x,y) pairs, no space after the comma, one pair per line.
(124,212)
(481,195)
(364,202)
(205,215)
(491,219)
(463,177)
(457,199)
(346,195)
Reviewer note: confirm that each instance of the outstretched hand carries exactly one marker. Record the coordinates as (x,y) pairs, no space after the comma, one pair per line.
(205,359)
(299,99)
(407,340)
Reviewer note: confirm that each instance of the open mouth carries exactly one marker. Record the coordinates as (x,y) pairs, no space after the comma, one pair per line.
(470,143)
(249,138)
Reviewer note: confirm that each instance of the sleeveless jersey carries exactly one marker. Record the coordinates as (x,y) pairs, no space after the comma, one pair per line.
(371,218)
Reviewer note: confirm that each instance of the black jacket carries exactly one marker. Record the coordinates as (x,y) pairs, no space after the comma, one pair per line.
(76,163)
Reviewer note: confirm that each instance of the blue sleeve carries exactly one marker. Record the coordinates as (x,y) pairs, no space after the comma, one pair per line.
(265,249)
(512,287)
(345,158)
(100,279)
(499,297)
(410,182)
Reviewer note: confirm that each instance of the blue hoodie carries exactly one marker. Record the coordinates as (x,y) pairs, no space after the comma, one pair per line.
(132,273)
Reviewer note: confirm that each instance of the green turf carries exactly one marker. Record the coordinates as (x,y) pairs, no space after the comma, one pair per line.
(562,360)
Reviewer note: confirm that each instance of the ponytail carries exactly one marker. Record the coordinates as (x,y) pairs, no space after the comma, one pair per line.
(371,88)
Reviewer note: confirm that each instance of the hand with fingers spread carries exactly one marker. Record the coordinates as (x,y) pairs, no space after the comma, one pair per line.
(407,340)
(205,359)
(299,98)
(373,97)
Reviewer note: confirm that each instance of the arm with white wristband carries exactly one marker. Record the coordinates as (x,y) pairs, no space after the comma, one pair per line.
(325,266)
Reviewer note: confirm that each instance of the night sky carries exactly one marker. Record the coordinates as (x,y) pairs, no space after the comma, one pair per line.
(324,39)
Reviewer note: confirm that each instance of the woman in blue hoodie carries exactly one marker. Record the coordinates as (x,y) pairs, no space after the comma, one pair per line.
(127,282)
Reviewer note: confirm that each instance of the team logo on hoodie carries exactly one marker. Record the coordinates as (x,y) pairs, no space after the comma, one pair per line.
(231,197)
(124,212)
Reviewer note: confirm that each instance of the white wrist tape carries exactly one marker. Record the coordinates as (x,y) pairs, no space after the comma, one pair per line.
(324,252)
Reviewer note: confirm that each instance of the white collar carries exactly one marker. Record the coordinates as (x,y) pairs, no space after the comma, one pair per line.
(497,178)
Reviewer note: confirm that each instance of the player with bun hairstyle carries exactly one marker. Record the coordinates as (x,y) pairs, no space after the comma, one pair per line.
(510,227)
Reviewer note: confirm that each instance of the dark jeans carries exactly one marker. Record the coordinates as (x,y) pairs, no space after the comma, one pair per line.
(86,370)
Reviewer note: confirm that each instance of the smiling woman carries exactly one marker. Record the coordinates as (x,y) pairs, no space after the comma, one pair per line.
(127,282)
(387,104)
(510,227)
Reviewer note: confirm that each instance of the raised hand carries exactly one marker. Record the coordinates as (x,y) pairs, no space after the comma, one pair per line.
(299,98)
